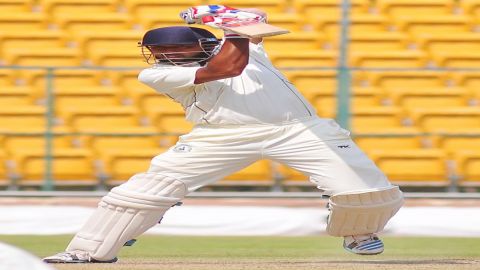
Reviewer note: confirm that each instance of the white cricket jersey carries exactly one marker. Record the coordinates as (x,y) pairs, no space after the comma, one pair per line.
(260,95)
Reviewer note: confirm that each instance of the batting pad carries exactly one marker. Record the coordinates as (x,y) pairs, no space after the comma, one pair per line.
(362,212)
(126,212)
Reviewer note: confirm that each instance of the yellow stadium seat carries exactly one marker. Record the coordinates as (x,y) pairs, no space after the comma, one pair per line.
(432,24)
(172,123)
(24,21)
(74,23)
(43,57)
(269,6)
(468,167)
(313,82)
(100,119)
(457,59)
(322,8)
(468,79)
(371,119)
(155,104)
(151,21)
(451,119)
(258,173)
(68,7)
(408,7)
(107,40)
(471,7)
(119,166)
(120,143)
(406,79)
(37,142)
(359,24)
(453,143)
(305,58)
(390,59)
(3,169)
(413,167)
(295,42)
(16,96)
(118,58)
(6,77)
(448,41)
(69,167)
(377,41)
(22,118)
(443,97)
(15,6)
(86,97)
(290,21)
(391,140)
(152,8)
(33,39)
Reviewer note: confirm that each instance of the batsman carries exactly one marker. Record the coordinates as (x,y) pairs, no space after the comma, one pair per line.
(244,110)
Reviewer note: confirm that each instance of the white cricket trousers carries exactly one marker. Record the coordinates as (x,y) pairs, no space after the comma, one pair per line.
(317,147)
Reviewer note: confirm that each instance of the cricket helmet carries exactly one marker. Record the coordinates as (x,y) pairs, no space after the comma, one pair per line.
(179,35)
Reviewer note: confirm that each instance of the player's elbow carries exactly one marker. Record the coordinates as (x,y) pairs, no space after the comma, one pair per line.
(236,68)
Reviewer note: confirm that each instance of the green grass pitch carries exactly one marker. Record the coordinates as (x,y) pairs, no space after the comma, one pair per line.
(269,253)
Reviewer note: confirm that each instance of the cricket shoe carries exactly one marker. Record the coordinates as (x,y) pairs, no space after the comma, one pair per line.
(368,244)
(76,256)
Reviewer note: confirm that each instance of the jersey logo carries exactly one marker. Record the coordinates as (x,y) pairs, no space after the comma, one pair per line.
(343,146)
(182,148)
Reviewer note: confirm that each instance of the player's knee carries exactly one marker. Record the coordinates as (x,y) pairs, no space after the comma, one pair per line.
(148,190)
(363,212)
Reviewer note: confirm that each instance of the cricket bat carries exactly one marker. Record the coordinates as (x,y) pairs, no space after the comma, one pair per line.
(248,28)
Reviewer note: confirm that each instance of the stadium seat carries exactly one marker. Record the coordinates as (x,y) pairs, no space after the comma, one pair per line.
(470,80)
(457,59)
(313,82)
(377,41)
(295,42)
(16,96)
(119,166)
(154,8)
(453,143)
(407,7)
(118,58)
(22,118)
(406,79)
(259,173)
(69,167)
(75,23)
(468,167)
(389,140)
(24,21)
(323,8)
(107,40)
(269,6)
(305,58)
(359,24)
(448,41)
(14,143)
(413,167)
(4,177)
(15,6)
(151,21)
(85,97)
(73,7)
(366,97)
(172,123)
(389,59)
(46,57)
(440,97)
(378,118)
(290,21)
(432,24)
(6,77)
(471,7)
(451,119)
(33,39)
(101,119)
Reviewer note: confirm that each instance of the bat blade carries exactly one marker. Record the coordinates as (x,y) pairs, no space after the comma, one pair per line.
(256,30)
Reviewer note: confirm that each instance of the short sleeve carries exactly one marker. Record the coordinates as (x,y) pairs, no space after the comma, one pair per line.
(166,79)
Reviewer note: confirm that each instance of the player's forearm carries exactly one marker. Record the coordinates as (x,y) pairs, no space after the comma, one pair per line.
(229,62)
